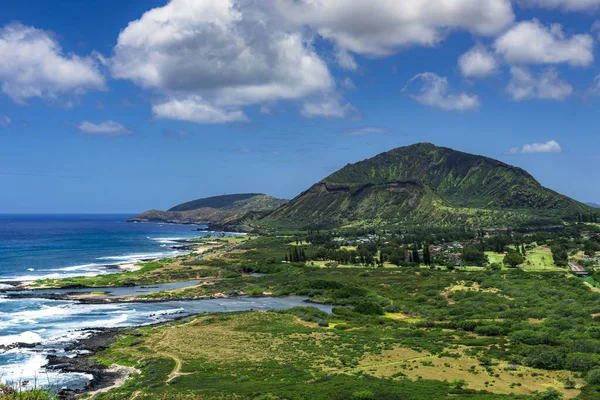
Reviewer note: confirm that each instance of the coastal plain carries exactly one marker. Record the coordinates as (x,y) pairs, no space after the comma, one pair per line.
(422,332)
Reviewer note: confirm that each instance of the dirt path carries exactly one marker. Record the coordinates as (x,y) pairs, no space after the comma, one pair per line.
(177,370)
(124,373)
(178,363)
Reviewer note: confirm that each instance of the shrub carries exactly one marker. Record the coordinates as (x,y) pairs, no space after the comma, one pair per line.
(343,327)
(488,330)
(9,393)
(459,384)
(393,308)
(569,383)
(546,359)
(467,325)
(593,377)
(581,361)
(363,395)
(550,394)
(495,266)
(369,308)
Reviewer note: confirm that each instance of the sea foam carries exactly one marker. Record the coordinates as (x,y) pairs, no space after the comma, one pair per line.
(28,337)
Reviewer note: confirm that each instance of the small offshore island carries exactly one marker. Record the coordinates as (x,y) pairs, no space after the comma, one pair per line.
(429,274)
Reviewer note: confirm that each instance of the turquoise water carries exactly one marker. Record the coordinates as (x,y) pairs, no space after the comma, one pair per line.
(39,246)
(52,325)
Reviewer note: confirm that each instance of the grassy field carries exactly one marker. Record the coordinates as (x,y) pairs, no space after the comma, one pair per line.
(395,333)
(268,355)
(538,259)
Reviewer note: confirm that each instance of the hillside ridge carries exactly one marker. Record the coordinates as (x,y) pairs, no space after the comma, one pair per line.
(219,202)
(445,186)
(218,211)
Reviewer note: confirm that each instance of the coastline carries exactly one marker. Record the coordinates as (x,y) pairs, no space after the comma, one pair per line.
(29,284)
(189,246)
(106,378)
(33,284)
(102,377)
(101,299)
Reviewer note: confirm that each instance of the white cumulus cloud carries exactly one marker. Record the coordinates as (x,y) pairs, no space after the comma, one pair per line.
(345,60)
(33,64)
(195,109)
(107,128)
(530,42)
(327,107)
(550,146)
(478,62)
(433,90)
(213,56)
(382,27)
(547,85)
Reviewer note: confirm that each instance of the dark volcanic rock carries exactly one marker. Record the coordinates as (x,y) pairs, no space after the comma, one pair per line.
(102,378)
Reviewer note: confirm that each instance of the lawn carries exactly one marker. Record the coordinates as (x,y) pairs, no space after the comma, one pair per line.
(538,259)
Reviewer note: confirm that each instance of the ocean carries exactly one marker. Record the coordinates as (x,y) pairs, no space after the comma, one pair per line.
(54,246)
(43,246)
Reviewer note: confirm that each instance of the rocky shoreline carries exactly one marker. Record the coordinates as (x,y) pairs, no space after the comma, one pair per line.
(102,377)
(125,300)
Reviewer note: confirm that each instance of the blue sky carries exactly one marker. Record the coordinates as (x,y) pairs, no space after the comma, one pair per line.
(113,107)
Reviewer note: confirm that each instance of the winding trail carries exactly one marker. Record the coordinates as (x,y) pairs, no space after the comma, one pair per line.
(177,370)
(178,363)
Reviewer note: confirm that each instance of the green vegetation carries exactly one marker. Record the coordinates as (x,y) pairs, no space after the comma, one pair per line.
(290,355)
(219,211)
(423,182)
(247,201)
(181,268)
(419,332)
(402,187)
(419,313)
(513,259)
(17,393)
(166,270)
(422,310)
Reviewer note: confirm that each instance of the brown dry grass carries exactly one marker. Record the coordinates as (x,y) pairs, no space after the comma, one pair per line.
(423,365)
